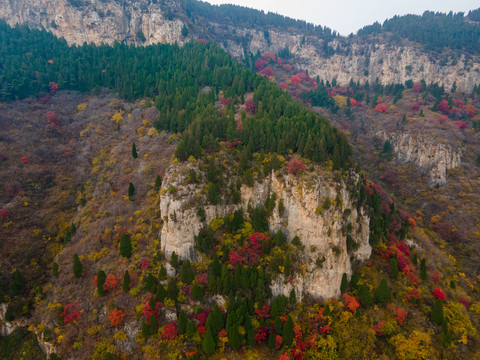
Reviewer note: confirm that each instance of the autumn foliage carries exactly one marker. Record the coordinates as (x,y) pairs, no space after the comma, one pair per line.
(71,312)
(170,331)
(116,317)
(381,108)
(439,294)
(350,303)
(53,121)
(294,166)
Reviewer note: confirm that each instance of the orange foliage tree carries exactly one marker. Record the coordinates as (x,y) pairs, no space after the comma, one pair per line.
(116,317)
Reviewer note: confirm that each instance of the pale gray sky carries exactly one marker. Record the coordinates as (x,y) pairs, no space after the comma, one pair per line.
(347,16)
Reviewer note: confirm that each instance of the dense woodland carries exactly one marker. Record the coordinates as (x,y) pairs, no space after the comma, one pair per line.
(436,31)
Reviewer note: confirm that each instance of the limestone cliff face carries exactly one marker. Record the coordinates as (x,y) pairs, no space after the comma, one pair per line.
(80,21)
(323,235)
(161,22)
(434,158)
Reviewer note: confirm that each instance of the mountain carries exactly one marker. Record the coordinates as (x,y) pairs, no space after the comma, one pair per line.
(165,201)
(404,48)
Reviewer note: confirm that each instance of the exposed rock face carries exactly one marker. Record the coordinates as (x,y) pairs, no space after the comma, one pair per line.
(161,22)
(80,21)
(323,235)
(6,328)
(433,158)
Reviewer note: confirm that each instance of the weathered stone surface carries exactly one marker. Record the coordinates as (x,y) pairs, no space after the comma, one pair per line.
(80,21)
(323,235)
(434,158)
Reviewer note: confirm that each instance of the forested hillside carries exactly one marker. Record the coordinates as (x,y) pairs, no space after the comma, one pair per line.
(107,287)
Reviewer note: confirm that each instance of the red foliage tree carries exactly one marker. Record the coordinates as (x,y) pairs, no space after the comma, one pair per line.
(268,71)
(24,159)
(145,264)
(3,213)
(381,108)
(170,331)
(260,64)
(250,106)
(202,41)
(471,111)
(13,189)
(287,67)
(439,294)
(296,80)
(278,341)
(110,282)
(400,315)
(443,107)
(378,328)
(53,121)
(53,87)
(116,317)
(294,166)
(461,125)
(351,303)
(417,87)
(71,312)
(415,107)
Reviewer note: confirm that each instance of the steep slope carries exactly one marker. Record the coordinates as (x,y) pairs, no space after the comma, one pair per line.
(374,54)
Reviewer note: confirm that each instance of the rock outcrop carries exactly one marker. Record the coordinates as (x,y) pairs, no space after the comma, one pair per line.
(435,159)
(321,231)
(143,22)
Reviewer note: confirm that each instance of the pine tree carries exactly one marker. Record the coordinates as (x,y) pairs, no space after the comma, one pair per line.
(208,343)
(186,272)
(172,289)
(134,151)
(287,332)
(354,280)
(423,269)
(278,325)
(101,276)
(197,292)
(125,245)
(158,183)
(293,297)
(161,293)
(218,320)
(145,330)
(182,322)
(344,284)
(364,296)
(9,315)
(271,340)
(55,269)
(174,260)
(437,312)
(77,266)
(382,295)
(131,191)
(126,282)
(190,330)
(393,268)
(152,324)
(234,339)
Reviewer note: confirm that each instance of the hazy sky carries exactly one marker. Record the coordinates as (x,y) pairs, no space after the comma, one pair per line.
(347,16)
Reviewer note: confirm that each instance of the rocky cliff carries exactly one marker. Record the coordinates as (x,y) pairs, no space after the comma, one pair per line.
(144,22)
(321,231)
(433,158)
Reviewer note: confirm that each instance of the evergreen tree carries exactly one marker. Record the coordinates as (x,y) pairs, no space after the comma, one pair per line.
(278,325)
(208,343)
(9,315)
(125,245)
(271,340)
(354,280)
(344,284)
(364,296)
(101,276)
(293,297)
(393,268)
(186,272)
(55,269)
(287,332)
(131,191)
(17,283)
(382,295)
(190,330)
(234,339)
(174,260)
(437,312)
(213,194)
(172,289)
(152,324)
(145,329)
(161,293)
(158,183)
(182,322)
(162,273)
(197,292)
(134,151)
(184,30)
(126,282)
(218,320)
(423,269)
(77,266)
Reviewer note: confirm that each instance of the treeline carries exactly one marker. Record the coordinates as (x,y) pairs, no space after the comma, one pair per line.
(243,16)
(185,82)
(436,31)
